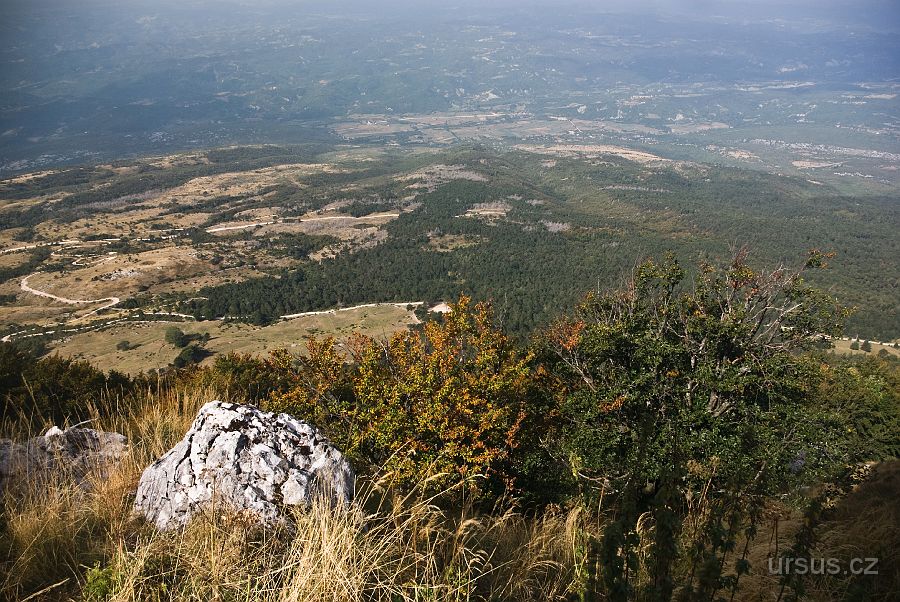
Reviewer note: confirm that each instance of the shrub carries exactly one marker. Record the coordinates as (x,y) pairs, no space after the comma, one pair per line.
(191,354)
(99,584)
(448,400)
(684,393)
(245,376)
(53,388)
(175,336)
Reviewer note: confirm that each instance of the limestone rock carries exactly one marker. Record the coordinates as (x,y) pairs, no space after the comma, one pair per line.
(248,460)
(72,453)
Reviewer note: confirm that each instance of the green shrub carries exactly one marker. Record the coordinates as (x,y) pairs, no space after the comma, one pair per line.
(175,336)
(191,354)
(99,584)
(53,388)
(678,393)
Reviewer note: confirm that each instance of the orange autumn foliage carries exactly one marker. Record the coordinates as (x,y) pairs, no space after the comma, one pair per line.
(446,401)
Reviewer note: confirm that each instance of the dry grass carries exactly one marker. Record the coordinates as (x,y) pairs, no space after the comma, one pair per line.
(59,541)
(52,527)
(149,350)
(842,347)
(865,524)
(446,243)
(593,150)
(121,275)
(409,551)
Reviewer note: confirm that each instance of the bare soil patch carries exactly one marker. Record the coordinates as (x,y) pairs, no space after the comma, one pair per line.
(593,150)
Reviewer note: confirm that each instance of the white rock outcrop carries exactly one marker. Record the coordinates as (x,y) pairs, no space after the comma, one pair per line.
(70,453)
(239,457)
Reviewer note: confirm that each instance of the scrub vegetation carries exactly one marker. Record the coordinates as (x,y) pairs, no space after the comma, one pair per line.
(661,441)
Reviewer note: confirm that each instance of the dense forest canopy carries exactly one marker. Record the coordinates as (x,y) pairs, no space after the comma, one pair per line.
(611,216)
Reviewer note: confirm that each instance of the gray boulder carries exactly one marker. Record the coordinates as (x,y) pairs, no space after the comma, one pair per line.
(70,453)
(249,461)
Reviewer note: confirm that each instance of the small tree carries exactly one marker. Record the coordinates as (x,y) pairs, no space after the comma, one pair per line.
(854,346)
(190,354)
(684,395)
(175,336)
(866,346)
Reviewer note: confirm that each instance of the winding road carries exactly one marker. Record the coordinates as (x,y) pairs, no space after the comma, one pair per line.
(110,301)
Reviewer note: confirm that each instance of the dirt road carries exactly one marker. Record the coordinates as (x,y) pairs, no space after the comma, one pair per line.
(110,301)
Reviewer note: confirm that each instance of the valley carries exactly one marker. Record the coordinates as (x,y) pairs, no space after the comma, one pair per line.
(507,301)
(310,162)
(259,235)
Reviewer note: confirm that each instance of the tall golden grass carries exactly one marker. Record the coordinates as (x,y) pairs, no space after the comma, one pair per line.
(61,541)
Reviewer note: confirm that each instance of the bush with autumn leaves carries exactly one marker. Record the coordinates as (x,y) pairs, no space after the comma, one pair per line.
(445,401)
(727,354)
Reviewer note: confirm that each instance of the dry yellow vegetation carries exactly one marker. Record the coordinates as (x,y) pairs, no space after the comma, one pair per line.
(843,347)
(148,348)
(65,541)
(592,150)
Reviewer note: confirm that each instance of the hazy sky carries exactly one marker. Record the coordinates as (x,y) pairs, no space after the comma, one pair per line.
(861,9)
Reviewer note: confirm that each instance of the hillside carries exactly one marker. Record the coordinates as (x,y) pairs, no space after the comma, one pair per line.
(257,233)
(417,301)
(488,470)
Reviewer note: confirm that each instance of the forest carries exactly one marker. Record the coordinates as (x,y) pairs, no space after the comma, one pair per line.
(612,213)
